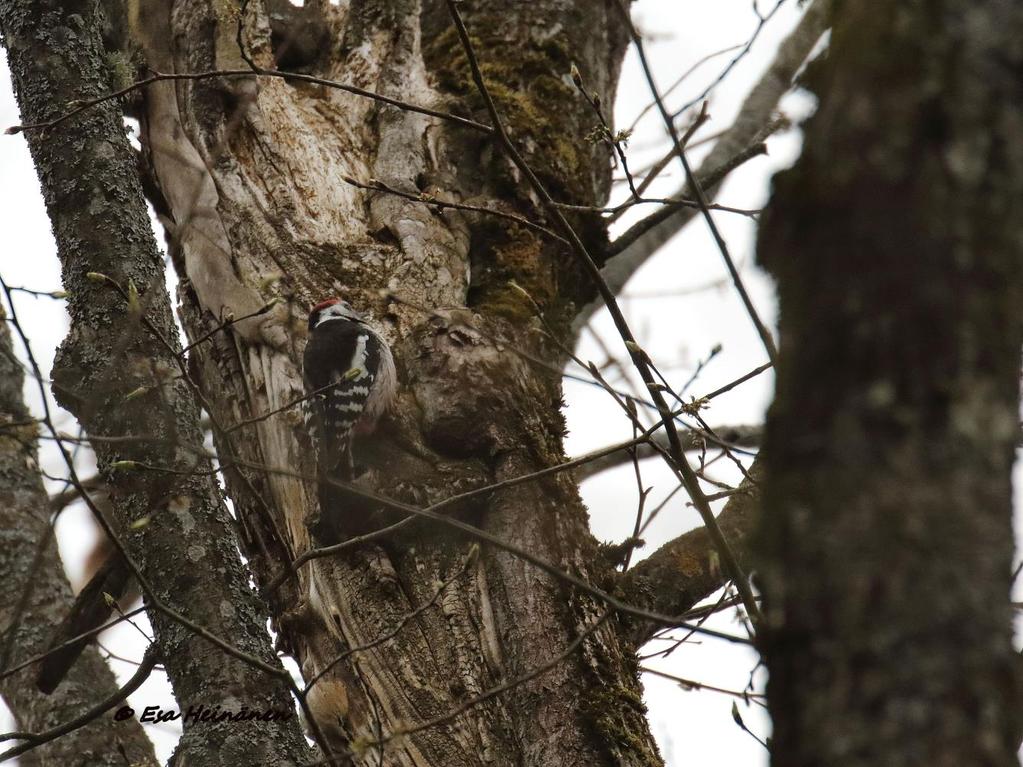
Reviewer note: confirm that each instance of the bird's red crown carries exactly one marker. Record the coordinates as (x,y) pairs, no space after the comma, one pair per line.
(324,304)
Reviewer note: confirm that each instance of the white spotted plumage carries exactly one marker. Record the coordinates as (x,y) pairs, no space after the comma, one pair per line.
(350,381)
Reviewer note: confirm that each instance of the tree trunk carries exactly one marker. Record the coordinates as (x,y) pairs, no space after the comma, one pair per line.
(887,522)
(35,594)
(254,179)
(118,372)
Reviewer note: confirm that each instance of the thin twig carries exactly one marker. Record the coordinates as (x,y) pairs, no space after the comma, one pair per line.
(156,77)
(469,560)
(616,140)
(694,184)
(670,202)
(58,295)
(643,493)
(67,643)
(433,513)
(654,172)
(691,684)
(731,64)
(36,739)
(152,600)
(712,179)
(752,125)
(740,380)
(286,406)
(227,324)
(681,79)
(435,202)
(484,536)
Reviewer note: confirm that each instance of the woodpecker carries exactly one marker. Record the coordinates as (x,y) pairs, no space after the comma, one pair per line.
(350,382)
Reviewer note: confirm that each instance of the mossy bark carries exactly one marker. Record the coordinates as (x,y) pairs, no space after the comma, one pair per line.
(886,538)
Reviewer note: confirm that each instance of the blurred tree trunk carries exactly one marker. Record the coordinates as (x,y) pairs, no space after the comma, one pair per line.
(887,535)
(252,179)
(35,595)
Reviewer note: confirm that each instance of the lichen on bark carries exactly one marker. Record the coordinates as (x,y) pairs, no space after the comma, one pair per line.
(117,372)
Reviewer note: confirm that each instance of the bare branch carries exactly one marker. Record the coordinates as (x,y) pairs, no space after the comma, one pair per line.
(123,617)
(638,230)
(755,113)
(761,21)
(483,536)
(681,79)
(511,684)
(153,600)
(734,436)
(77,107)
(34,740)
(433,513)
(604,132)
(440,204)
(469,560)
(692,684)
(701,118)
(694,184)
(686,570)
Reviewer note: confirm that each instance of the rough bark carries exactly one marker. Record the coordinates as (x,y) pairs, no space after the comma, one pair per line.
(887,520)
(251,176)
(171,519)
(29,563)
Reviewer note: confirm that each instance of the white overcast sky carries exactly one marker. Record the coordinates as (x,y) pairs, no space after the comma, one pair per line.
(677,328)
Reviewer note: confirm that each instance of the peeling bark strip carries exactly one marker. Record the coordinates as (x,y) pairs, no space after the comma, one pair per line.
(29,562)
(184,545)
(887,525)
